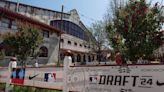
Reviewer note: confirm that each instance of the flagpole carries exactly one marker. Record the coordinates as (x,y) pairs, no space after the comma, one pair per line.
(61,27)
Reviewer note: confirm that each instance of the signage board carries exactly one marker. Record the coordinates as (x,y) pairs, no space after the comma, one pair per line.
(134,78)
(128,78)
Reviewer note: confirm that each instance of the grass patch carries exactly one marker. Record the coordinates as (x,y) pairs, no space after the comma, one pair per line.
(2,86)
(16,88)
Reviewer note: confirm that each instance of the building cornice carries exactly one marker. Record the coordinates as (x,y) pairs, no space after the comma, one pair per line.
(21,17)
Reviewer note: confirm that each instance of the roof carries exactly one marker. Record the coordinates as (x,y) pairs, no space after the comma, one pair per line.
(27,19)
(15,2)
(74,51)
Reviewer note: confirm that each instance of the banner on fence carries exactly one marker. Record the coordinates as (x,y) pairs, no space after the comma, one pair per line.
(17,75)
(132,78)
(135,78)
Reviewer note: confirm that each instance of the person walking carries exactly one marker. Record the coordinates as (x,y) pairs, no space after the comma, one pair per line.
(118,58)
(11,72)
(13,63)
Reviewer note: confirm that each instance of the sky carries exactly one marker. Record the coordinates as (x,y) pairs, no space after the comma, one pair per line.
(89,11)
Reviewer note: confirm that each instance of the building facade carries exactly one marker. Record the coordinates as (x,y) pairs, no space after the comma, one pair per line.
(159,53)
(9,22)
(75,37)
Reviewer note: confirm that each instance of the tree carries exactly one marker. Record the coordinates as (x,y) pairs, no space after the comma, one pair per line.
(135,28)
(114,38)
(98,31)
(23,42)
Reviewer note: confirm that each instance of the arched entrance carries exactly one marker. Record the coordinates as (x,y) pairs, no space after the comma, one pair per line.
(43,52)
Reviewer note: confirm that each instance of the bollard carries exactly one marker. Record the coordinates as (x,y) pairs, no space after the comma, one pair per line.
(67,63)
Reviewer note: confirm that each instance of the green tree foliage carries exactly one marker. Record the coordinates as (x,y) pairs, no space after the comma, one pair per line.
(134,29)
(23,42)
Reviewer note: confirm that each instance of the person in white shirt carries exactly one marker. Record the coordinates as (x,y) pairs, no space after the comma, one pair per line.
(68,58)
(36,64)
(13,63)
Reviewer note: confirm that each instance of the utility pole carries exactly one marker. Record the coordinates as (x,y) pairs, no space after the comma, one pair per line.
(7,87)
(17,8)
(61,27)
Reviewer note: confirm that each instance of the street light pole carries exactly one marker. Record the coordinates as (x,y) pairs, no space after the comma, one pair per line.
(17,7)
(61,27)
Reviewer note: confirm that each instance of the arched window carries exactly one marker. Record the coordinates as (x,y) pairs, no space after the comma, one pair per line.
(78,58)
(93,58)
(89,58)
(69,42)
(73,58)
(75,43)
(84,58)
(43,52)
(62,40)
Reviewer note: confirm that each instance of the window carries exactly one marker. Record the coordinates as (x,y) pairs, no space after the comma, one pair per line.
(46,34)
(66,16)
(69,42)
(70,28)
(78,58)
(75,44)
(22,8)
(89,58)
(5,23)
(62,40)
(43,52)
(80,45)
(58,15)
(73,59)
(14,25)
(93,58)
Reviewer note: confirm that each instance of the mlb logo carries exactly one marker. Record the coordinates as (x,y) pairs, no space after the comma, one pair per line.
(50,77)
(93,79)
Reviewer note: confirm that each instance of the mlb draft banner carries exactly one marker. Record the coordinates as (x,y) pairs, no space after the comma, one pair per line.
(132,78)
